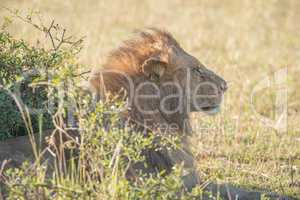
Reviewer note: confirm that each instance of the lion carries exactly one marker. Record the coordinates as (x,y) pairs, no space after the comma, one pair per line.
(162,84)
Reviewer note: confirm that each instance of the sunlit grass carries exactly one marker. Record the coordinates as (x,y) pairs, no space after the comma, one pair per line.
(244,41)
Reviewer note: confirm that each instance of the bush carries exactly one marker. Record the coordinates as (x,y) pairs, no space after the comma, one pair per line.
(20,66)
(16,60)
(11,121)
(98,170)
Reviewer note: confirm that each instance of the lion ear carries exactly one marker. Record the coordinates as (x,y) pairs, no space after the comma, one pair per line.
(154,67)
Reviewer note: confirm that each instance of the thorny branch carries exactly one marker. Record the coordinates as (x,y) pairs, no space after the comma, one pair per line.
(57,39)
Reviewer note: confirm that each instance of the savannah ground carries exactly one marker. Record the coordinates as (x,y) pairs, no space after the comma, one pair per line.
(244,41)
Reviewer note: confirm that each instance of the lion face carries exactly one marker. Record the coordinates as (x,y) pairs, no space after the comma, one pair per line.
(207,89)
(187,81)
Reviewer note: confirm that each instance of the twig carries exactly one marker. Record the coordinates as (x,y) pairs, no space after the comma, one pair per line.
(61,40)
(83,73)
(48,33)
(23,19)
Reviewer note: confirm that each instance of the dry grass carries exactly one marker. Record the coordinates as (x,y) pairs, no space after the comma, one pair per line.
(244,41)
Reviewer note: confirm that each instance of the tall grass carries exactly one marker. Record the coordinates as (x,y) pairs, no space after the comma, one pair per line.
(245,41)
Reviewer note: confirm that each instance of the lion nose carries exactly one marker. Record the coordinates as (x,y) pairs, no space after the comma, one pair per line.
(224,86)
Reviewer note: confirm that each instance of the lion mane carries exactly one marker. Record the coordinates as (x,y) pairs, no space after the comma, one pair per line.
(128,62)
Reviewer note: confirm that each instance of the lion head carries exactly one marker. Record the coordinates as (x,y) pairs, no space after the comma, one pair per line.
(161,81)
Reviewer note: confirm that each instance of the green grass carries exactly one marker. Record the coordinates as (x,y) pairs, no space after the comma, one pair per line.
(244,41)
